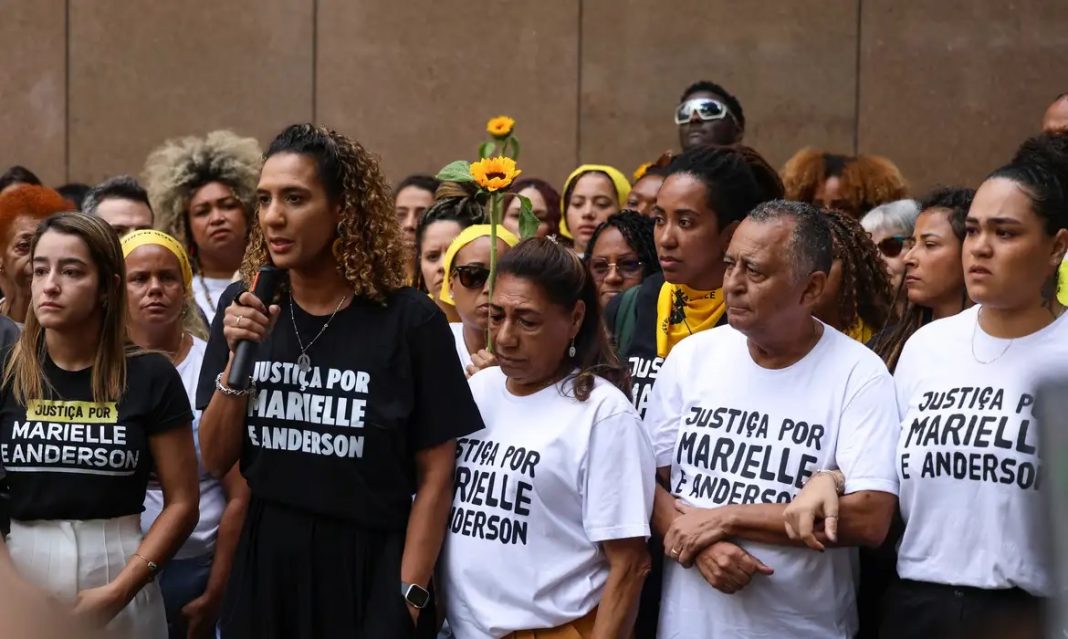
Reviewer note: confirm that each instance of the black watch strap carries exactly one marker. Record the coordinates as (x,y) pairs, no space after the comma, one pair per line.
(415,595)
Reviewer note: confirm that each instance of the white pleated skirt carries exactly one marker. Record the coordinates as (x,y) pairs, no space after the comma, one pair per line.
(68,556)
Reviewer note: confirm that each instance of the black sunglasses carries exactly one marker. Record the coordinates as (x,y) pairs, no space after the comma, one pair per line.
(892,246)
(471,276)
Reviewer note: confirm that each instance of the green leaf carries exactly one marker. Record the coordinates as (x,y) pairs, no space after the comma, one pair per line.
(515,148)
(528,222)
(486,149)
(458,171)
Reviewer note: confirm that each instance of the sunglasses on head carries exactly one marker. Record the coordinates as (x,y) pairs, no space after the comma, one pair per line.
(892,246)
(600,267)
(706,109)
(471,276)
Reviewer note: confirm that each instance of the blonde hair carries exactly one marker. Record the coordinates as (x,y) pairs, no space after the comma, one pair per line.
(25,368)
(177,169)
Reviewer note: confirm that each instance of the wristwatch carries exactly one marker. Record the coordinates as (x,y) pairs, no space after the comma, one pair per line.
(415,595)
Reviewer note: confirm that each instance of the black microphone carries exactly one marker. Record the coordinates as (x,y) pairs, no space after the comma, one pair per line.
(263,287)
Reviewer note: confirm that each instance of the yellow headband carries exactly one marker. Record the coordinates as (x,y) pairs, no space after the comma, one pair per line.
(468,235)
(137,239)
(618,180)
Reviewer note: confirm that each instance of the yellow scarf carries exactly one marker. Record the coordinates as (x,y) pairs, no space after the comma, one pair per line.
(860,331)
(682,311)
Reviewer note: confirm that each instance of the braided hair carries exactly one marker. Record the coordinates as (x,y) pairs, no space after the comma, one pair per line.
(865,290)
(888,345)
(453,202)
(637,230)
(736,179)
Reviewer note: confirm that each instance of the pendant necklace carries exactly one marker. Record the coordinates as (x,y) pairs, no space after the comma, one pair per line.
(304,361)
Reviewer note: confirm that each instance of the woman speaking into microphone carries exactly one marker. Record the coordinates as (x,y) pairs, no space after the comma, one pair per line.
(341,422)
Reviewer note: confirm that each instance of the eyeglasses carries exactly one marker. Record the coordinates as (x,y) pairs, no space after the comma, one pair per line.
(600,268)
(471,276)
(706,109)
(892,246)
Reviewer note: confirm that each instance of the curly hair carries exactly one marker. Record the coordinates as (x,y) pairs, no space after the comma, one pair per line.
(37,202)
(177,169)
(866,180)
(865,290)
(637,230)
(454,202)
(369,249)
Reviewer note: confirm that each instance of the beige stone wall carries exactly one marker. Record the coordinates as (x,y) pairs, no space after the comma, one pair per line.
(946,88)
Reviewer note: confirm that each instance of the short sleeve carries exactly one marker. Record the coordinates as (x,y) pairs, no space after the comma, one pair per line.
(170,405)
(867,437)
(443,406)
(663,413)
(217,352)
(617,500)
(903,380)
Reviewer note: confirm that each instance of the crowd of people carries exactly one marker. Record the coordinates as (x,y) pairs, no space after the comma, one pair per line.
(715,399)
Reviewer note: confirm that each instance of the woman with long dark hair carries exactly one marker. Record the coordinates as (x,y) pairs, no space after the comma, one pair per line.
(553,497)
(343,422)
(84,419)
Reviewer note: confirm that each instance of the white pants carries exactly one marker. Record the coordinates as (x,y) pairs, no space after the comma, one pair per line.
(68,556)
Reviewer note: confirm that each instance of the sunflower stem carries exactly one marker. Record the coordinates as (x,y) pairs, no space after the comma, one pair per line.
(494,213)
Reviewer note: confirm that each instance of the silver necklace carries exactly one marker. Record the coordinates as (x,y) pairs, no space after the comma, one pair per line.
(975,330)
(304,361)
(204,287)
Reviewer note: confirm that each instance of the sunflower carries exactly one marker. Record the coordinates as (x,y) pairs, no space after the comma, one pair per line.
(494,174)
(500,126)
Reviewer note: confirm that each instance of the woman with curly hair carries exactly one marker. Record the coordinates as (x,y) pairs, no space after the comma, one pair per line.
(853,184)
(857,298)
(203,191)
(343,421)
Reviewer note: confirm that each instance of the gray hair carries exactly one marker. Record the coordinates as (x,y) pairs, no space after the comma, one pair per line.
(121,187)
(811,246)
(898,217)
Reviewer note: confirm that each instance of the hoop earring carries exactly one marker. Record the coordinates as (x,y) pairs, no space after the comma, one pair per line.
(337,248)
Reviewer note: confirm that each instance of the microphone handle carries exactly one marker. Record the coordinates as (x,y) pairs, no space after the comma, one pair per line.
(266,283)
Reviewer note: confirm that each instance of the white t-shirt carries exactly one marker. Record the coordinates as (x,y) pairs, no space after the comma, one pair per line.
(212,496)
(968,454)
(536,491)
(461,345)
(736,433)
(215,287)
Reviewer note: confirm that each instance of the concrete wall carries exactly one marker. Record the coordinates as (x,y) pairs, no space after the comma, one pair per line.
(946,88)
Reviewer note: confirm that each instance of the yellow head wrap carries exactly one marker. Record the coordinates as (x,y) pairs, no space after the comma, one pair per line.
(468,235)
(618,180)
(137,239)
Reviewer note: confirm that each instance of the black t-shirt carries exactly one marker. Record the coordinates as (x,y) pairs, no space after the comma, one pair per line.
(68,457)
(641,354)
(340,441)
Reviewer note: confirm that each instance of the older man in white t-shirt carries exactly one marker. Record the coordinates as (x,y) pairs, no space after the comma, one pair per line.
(741,416)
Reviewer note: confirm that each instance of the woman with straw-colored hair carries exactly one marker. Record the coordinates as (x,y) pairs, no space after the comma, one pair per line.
(203,190)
